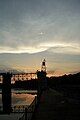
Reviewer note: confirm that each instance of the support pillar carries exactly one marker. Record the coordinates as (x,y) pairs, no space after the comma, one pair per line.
(6,92)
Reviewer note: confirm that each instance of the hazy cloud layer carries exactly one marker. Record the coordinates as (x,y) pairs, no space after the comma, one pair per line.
(24,25)
(34,26)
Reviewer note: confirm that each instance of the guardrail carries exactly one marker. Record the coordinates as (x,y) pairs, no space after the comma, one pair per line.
(27,111)
(27,115)
(18,109)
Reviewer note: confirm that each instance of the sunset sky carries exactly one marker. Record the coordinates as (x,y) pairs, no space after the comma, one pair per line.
(31,30)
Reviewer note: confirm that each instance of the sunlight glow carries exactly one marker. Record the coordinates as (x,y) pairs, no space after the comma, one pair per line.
(22,49)
(56,47)
(69,48)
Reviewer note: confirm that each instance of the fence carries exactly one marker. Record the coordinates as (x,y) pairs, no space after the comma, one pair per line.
(29,111)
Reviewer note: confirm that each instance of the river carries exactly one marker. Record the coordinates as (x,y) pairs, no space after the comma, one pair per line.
(20,96)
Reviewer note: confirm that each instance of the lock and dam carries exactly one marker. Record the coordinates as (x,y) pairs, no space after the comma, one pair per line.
(49,103)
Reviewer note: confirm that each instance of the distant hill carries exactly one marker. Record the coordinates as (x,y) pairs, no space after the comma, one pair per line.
(4,69)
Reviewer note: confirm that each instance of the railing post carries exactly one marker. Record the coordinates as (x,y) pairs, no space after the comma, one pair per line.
(25,113)
(35,101)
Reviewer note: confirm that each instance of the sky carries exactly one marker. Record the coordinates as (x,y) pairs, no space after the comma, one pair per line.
(31,30)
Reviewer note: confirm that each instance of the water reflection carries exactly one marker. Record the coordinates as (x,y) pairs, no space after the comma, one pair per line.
(25,99)
(19,98)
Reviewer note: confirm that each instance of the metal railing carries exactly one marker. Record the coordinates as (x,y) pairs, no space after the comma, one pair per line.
(27,111)
(18,109)
(27,115)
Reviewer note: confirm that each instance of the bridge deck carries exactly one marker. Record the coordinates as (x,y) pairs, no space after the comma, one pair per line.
(53,106)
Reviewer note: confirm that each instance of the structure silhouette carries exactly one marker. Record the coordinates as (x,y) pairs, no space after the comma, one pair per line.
(6,92)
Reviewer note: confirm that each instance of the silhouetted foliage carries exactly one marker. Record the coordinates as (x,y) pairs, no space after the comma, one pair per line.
(27,84)
(69,85)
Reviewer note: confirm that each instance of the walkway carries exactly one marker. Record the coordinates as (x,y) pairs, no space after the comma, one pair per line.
(53,106)
(11,116)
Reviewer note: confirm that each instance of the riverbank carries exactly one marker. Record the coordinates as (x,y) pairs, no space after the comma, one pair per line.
(54,106)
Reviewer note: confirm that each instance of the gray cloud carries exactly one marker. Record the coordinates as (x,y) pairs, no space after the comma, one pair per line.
(22,22)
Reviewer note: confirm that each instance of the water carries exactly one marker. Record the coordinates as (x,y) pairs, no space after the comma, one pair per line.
(20,97)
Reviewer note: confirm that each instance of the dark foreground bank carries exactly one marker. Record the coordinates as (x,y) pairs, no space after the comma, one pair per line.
(55,106)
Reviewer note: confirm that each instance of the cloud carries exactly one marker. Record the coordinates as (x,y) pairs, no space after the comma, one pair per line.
(36,26)
(21,43)
(53,47)
(65,48)
(21,49)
